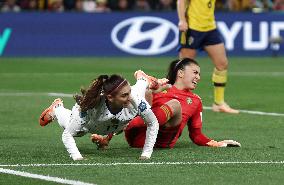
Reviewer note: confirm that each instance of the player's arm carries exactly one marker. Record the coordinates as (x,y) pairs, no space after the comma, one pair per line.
(195,130)
(151,121)
(70,145)
(196,135)
(181,11)
(200,139)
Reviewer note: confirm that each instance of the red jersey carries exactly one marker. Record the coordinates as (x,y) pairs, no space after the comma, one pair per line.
(191,105)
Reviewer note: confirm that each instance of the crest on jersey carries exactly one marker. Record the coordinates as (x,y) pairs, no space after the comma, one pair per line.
(188,100)
(190,40)
(142,106)
(164,91)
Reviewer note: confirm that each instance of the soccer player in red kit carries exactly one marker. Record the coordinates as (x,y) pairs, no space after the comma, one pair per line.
(175,108)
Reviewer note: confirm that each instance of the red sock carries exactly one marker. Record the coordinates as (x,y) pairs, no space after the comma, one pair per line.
(163,114)
(136,122)
(135,132)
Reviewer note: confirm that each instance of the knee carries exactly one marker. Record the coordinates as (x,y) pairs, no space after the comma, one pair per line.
(175,106)
(222,65)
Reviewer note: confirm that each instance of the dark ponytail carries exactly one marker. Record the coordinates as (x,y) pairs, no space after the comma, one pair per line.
(178,65)
(102,86)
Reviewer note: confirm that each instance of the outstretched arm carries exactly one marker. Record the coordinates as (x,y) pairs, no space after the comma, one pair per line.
(200,139)
(196,135)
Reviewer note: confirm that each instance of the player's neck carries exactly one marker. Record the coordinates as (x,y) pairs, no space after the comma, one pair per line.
(112,108)
(180,86)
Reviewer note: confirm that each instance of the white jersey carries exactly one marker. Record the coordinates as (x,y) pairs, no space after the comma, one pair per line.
(101,121)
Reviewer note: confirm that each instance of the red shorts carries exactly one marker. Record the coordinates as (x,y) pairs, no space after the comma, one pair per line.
(135,134)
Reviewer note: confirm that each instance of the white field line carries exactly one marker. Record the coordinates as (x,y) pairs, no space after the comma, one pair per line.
(266,74)
(71,95)
(36,94)
(253,112)
(148,163)
(43,177)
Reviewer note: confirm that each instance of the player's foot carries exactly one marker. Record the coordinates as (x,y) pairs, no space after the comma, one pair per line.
(47,116)
(154,83)
(224,107)
(101,141)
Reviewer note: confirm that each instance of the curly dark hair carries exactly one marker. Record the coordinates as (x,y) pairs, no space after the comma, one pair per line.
(101,86)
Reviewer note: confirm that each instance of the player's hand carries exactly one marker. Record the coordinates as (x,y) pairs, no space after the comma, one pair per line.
(231,143)
(79,158)
(101,141)
(224,143)
(182,25)
(144,158)
(162,88)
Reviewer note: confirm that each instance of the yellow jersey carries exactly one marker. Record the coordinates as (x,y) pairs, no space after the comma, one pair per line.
(200,15)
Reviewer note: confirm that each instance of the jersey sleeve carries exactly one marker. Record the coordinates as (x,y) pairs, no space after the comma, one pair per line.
(195,128)
(140,87)
(145,111)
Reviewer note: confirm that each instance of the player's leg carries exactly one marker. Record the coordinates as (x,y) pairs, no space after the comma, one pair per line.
(218,56)
(189,42)
(70,121)
(168,115)
(167,137)
(187,53)
(63,116)
(135,132)
(48,115)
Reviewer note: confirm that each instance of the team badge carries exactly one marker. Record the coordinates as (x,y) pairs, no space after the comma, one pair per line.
(142,106)
(188,100)
(190,40)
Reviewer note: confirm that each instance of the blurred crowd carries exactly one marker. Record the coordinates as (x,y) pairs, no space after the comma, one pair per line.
(131,5)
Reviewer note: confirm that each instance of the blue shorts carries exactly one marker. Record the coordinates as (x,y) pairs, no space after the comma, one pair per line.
(198,40)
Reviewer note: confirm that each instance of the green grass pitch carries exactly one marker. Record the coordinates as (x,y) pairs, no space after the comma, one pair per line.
(255,84)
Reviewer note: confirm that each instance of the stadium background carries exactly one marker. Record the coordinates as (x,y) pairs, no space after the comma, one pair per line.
(49,49)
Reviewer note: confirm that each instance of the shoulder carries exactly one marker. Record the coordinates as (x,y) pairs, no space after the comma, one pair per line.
(196,98)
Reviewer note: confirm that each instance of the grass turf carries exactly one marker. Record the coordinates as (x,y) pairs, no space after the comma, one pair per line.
(254,84)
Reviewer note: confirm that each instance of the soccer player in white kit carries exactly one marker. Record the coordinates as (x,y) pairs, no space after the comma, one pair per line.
(104,108)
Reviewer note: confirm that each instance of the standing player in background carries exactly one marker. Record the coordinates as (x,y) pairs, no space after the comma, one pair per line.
(198,31)
(104,108)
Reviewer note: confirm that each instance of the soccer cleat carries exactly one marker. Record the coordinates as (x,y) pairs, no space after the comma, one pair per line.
(101,141)
(47,116)
(154,83)
(224,107)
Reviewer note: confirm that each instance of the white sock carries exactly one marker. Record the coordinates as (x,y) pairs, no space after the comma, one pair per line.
(140,87)
(63,116)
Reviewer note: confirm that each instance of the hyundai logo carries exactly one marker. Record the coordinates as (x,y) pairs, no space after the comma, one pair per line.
(145,35)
